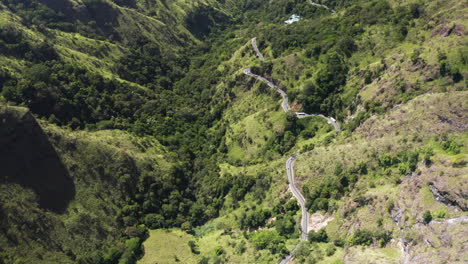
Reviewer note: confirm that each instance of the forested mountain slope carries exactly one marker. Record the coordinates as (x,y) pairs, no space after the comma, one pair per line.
(67,195)
(151,130)
(374,184)
(62,191)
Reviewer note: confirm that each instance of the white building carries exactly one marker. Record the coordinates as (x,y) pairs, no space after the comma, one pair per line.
(294,18)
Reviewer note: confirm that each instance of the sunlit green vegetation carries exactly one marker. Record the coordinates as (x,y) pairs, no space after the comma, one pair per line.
(164,137)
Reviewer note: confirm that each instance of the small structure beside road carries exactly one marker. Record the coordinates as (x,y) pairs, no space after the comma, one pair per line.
(294,18)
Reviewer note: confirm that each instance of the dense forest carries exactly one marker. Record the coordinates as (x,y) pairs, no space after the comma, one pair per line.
(150,101)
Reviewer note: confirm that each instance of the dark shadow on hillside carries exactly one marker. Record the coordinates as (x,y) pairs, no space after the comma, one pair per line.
(203,19)
(95,19)
(28,158)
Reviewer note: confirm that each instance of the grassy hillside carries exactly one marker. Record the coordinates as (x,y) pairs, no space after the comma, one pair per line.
(381,68)
(66,212)
(146,117)
(406,175)
(55,54)
(104,88)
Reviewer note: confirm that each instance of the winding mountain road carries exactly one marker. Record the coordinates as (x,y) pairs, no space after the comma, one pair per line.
(298,195)
(331,120)
(320,5)
(290,161)
(302,202)
(285,103)
(257,51)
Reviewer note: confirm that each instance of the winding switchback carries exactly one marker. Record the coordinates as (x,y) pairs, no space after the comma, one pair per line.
(290,161)
(285,102)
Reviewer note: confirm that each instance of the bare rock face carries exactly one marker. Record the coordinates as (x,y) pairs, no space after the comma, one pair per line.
(446,30)
(318,221)
(455,199)
(27,158)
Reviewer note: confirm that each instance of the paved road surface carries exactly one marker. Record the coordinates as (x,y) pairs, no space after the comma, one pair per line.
(320,5)
(331,120)
(298,195)
(254,45)
(290,161)
(301,200)
(285,102)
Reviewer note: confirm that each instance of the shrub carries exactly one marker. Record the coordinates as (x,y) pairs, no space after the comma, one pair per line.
(361,237)
(291,207)
(154,221)
(380,222)
(307,133)
(193,247)
(427,217)
(366,237)
(451,146)
(219,250)
(254,219)
(269,239)
(390,206)
(204,260)
(241,248)
(427,154)
(302,250)
(320,236)
(440,214)
(285,225)
(339,242)
(132,251)
(330,250)
(456,75)
(320,204)
(307,148)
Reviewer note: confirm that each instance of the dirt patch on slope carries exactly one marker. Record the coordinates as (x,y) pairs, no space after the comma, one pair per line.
(430,113)
(446,30)
(318,221)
